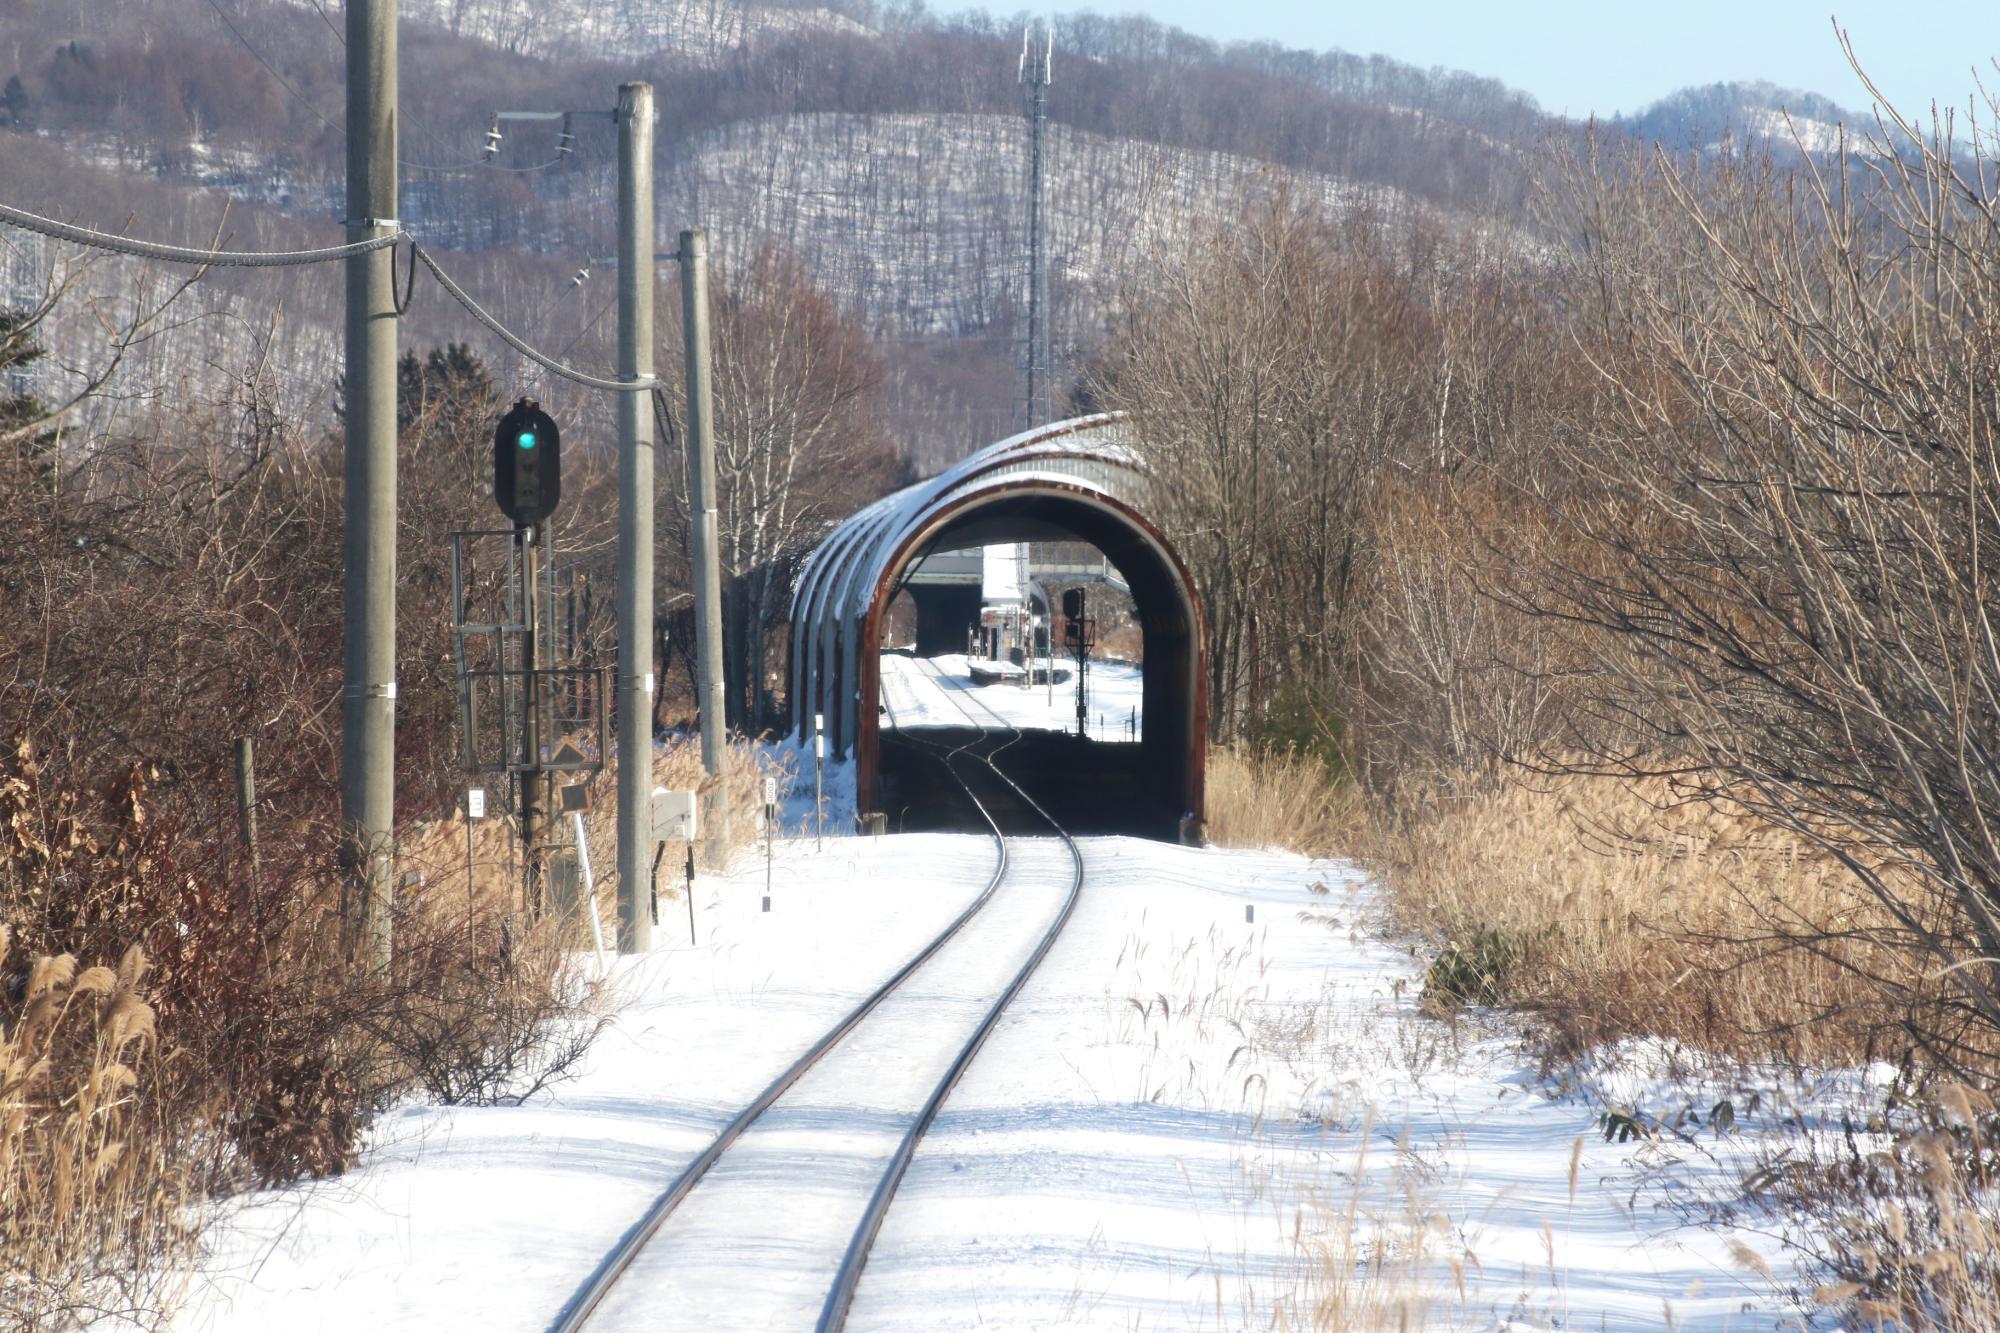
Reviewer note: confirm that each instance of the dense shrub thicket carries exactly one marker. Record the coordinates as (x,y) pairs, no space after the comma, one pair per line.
(179,1015)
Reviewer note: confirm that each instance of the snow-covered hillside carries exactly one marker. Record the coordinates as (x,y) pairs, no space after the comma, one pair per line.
(1756,112)
(702,30)
(917,220)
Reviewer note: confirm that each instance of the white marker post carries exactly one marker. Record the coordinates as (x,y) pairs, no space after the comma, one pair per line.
(475,808)
(589,889)
(770,822)
(819,781)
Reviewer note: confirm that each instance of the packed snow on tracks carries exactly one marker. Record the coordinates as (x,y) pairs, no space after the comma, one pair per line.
(1215,1102)
(919,692)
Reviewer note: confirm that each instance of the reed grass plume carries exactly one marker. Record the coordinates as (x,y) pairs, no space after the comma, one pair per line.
(92,1196)
(1279,799)
(1615,906)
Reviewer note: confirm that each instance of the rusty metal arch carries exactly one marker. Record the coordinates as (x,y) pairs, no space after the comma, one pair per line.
(1081,469)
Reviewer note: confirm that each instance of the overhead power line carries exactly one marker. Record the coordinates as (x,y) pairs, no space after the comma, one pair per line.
(181,254)
(642,384)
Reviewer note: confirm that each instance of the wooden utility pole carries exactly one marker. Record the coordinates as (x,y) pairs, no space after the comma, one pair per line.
(246,797)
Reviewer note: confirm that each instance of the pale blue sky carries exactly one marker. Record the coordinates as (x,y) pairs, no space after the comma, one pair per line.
(1603,56)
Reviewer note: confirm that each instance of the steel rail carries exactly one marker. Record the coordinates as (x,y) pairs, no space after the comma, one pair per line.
(833,1314)
(577,1311)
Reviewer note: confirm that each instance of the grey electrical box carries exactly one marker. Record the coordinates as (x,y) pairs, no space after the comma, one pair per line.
(565,882)
(673,815)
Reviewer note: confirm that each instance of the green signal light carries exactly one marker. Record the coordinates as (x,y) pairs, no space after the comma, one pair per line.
(527,440)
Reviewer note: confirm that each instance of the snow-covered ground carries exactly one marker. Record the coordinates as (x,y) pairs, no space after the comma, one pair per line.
(1218,1065)
(919,692)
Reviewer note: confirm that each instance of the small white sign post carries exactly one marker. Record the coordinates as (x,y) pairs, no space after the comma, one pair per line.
(770,832)
(589,889)
(475,808)
(819,781)
(674,818)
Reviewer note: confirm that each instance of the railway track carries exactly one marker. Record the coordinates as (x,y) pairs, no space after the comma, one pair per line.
(886,1043)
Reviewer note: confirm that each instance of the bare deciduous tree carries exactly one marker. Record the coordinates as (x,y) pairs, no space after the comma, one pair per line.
(1779,539)
(798,445)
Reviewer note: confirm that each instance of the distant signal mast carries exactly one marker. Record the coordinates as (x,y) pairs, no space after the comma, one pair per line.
(1037,63)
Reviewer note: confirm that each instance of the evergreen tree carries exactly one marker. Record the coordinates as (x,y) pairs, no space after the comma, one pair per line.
(449,382)
(23,450)
(15,102)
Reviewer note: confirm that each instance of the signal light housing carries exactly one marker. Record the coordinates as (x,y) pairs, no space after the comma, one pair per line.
(527,464)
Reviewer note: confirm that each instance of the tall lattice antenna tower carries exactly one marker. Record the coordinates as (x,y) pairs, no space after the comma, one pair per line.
(1037,62)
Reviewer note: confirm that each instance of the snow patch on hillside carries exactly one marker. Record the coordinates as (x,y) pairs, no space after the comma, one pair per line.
(703,30)
(918,220)
(1813,136)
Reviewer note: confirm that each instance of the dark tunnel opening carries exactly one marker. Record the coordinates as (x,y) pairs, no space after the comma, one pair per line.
(1149,787)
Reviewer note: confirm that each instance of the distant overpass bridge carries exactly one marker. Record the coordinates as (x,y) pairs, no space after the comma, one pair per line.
(1062,567)
(945,586)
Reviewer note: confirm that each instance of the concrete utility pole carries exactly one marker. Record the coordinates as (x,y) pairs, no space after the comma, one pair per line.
(707,552)
(635,516)
(368,688)
(1036,73)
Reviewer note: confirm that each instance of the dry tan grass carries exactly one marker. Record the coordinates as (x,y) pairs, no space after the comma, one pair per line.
(1613,907)
(1279,799)
(1912,1239)
(438,852)
(1607,907)
(282,1050)
(91,1194)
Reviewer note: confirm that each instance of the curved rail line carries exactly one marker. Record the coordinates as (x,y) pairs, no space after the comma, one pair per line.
(578,1309)
(833,1315)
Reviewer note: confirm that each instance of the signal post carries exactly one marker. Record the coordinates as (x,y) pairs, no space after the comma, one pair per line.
(527,483)
(634,682)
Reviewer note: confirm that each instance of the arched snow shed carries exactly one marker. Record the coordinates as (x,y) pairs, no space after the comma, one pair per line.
(1069,481)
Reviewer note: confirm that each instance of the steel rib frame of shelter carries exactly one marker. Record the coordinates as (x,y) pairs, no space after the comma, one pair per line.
(1076,480)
